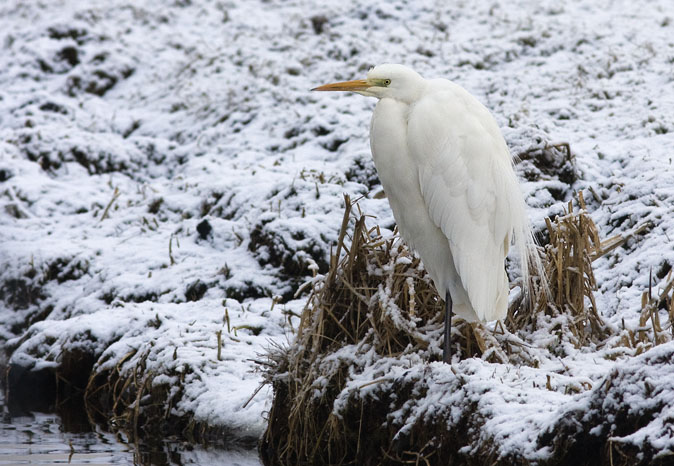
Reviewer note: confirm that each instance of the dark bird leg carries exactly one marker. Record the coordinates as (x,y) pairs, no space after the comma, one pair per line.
(447,349)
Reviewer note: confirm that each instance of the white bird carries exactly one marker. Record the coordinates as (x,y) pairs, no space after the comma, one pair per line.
(449,178)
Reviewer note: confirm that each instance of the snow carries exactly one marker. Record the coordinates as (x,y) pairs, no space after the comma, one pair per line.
(125,124)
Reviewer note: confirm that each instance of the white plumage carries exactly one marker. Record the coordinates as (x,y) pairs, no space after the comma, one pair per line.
(448,175)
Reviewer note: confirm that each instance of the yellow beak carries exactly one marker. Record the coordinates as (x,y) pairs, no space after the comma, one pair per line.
(354,86)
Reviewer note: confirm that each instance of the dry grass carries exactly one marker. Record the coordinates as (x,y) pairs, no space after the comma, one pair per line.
(347,308)
(126,398)
(376,301)
(651,332)
(574,244)
(376,298)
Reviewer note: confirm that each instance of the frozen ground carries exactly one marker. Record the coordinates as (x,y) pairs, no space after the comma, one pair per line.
(124,125)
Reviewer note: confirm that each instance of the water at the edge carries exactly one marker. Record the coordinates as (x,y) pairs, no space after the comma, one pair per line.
(39,438)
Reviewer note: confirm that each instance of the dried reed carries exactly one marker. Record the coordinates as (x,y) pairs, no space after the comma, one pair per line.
(376,301)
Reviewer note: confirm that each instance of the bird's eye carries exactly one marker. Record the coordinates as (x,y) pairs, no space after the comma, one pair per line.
(387,82)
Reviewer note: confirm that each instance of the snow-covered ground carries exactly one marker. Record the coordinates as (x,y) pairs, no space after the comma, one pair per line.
(125,124)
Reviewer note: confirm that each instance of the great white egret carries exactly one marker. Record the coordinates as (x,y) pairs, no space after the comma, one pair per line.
(449,178)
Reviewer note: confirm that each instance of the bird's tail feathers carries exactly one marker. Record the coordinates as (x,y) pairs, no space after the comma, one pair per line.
(534,280)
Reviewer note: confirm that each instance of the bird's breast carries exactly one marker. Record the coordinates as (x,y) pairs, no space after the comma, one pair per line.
(396,169)
(398,172)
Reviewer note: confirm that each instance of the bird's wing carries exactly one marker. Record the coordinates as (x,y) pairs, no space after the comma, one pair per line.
(465,173)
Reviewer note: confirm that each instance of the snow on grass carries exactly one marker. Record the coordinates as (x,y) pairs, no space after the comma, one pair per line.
(124,125)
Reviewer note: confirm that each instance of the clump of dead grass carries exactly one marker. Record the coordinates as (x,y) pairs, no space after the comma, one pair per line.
(569,310)
(377,302)
(574,245)
(378,293)
(127,398)
(373,297)
(651,331)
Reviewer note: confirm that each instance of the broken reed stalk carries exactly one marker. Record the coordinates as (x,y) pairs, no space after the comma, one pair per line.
(116,193)
(650,332)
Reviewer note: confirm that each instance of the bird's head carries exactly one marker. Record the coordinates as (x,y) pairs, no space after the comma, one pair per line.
(383,81)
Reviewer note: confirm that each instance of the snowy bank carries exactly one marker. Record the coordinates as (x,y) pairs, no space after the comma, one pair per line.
(167,182)
(362,383)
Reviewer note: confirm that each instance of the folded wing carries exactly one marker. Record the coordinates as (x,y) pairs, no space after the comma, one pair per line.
(470,190)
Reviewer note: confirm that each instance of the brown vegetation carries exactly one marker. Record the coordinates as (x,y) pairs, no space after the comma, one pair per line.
(376,302)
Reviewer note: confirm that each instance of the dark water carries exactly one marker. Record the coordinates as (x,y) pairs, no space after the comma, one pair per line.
(44,438)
